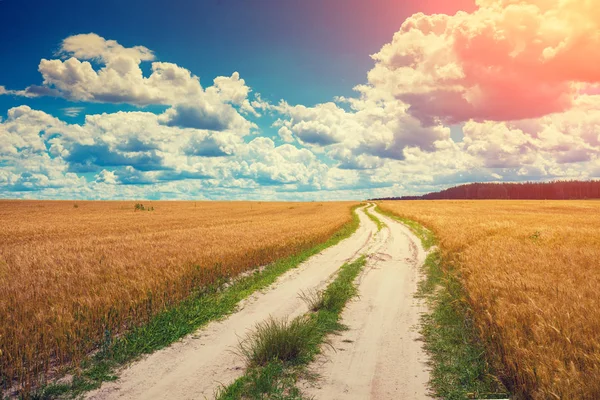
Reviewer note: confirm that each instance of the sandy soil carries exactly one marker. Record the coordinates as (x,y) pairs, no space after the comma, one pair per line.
(380,356)
(196,366)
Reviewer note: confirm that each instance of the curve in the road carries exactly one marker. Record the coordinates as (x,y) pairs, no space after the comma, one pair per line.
(196,366)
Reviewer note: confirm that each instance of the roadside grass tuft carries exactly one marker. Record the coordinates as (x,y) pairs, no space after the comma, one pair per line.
(208,304)
(274,372)
(313,299)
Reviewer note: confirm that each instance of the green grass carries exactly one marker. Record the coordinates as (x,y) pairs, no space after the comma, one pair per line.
(280,339)
(274,381)
(425,235)
(209,304)
(372,217)
(278,351)
(460,369)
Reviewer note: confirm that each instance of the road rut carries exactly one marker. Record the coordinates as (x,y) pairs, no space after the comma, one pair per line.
(196,366)
(381,355)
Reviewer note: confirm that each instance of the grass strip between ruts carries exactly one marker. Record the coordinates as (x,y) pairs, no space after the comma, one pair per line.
(276,378)
(380,224)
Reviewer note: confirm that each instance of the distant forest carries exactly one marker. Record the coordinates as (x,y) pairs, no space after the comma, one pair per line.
(557,190)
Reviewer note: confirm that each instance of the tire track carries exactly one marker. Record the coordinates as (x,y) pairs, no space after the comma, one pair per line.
(381,355)
(196,366)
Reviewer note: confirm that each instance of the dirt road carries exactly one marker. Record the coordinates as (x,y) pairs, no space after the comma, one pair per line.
(380,356)
(196,366)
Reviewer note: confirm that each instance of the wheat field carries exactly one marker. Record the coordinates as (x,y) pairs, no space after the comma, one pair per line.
(531,275)
(72,271)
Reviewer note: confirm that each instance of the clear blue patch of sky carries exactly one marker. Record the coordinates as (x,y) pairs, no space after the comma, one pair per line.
(456,132)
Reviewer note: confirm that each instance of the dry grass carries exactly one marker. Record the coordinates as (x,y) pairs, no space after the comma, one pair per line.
(71,276)
(532,278)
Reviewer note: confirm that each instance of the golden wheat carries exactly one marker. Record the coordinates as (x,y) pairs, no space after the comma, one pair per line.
(69,272)
(531,276)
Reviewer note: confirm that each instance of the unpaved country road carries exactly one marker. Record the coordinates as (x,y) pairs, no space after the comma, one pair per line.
(380,356)
(196,366)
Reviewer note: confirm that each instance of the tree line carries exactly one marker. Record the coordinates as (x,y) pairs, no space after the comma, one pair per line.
(556,190)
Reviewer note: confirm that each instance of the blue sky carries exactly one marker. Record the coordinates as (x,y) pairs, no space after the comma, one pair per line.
(227,99)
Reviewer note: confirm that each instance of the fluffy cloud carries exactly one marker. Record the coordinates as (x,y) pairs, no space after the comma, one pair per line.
(123,83)
(543,144)
(520,74)
(25,131)
(376,127)
(32,91)
(507,60)
(140,140)
(25,138)
(233,90)
(94,69)
(42,154)
(132,155)
(120,79)
(92,46)
(206,115)
(285,164)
